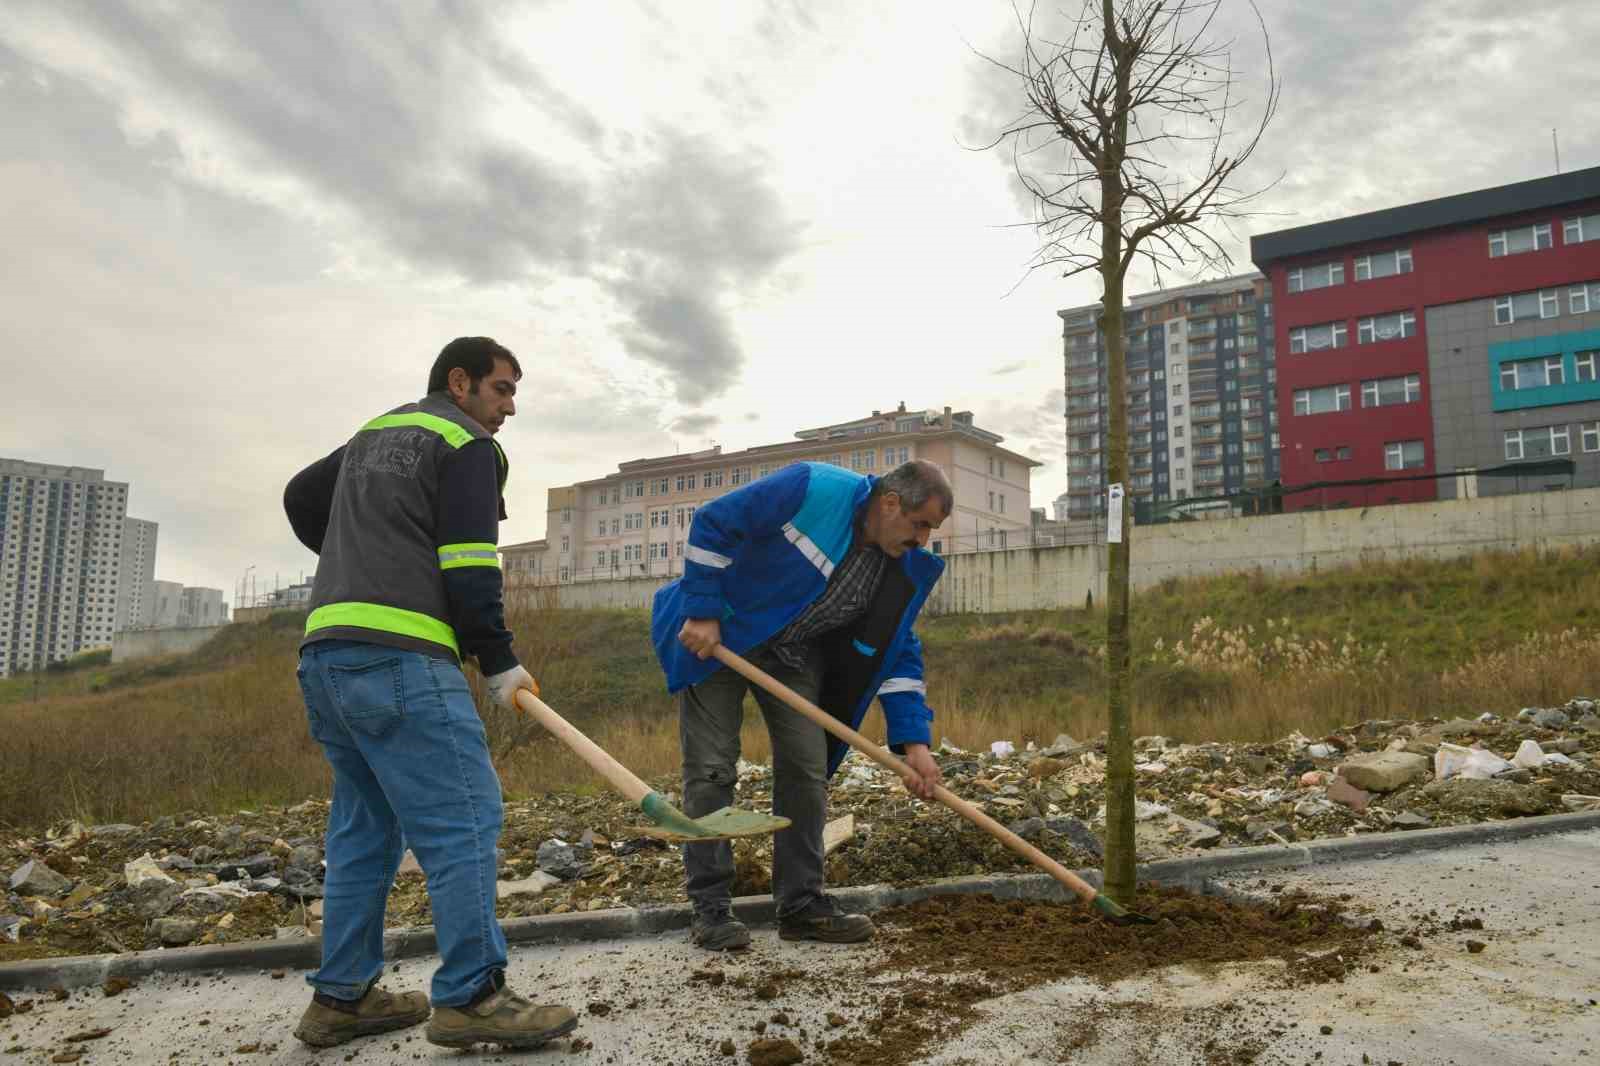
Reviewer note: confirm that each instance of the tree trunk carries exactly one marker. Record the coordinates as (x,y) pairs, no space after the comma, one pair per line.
(1119,872)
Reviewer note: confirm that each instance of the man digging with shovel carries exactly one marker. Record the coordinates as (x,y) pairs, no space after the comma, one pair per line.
(405,518)
(816,574)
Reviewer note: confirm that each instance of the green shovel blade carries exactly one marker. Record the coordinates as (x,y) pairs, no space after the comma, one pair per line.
(729,823)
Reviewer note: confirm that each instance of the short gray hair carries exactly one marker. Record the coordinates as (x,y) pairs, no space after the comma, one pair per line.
(916,483)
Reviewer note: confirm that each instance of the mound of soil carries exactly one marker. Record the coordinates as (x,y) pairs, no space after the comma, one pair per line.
(1018,943)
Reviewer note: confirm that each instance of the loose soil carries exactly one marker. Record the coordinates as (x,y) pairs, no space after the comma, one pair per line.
(941,959)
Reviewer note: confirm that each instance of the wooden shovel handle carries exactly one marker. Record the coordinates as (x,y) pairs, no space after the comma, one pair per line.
(621,778)
(887,759)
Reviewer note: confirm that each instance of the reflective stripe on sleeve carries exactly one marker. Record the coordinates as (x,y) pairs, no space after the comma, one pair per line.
(476,553)
(706,557)
(902,684)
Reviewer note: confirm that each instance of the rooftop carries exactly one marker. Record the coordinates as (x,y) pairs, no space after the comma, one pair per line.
(1457,210)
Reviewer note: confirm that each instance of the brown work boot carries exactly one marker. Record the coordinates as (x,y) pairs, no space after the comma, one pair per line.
(503,1018)
(824,920)
(329,1022)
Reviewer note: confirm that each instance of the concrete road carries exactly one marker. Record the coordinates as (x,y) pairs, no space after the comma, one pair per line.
(1528,997)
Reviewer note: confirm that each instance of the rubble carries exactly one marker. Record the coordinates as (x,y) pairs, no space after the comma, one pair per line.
(1205,795)
(1383,771)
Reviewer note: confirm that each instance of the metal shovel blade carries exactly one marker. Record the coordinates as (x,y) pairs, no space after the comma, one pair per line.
(1116,914)
(729,823)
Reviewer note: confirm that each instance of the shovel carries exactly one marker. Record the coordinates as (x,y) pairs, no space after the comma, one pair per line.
(671,824)
(1105,905)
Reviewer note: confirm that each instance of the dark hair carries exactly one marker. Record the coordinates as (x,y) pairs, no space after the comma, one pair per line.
(475,355)
(915,483)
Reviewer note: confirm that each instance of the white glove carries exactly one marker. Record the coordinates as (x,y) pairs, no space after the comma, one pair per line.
(503,686)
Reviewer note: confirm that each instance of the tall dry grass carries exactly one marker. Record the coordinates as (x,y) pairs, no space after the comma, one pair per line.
(224,728)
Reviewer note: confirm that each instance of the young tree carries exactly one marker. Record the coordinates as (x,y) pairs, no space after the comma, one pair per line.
(1132,112)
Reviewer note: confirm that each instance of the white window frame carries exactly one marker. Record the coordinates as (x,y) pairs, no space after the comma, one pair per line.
(1590,433)
(1341,400)
(1394,455)
(1367,328)
(1538,231)
(1299,346)
(1580,229)
(1551,371)
(1296,281)
(1372,390)
(1578,300)
(1581,361)
(1402,264)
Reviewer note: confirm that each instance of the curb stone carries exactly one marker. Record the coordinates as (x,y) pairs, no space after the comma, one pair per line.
(1196,873)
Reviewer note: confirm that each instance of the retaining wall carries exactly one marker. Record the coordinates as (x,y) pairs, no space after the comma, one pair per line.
(143,643)
(1066,576)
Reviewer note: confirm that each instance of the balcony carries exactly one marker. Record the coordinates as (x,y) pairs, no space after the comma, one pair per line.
(1206,327)
(1082,362)
(1205,412)
(1208,432)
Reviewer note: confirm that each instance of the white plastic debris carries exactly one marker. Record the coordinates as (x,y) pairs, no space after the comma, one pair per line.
(1453,760)
(948,747)
(1321,751)
(1150,767)
(1488,717)
(1530,756)
(1001,748)
(142,869)
(1555,758)
(1142,811)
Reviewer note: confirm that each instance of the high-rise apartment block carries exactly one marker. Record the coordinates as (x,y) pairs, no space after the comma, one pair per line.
(635,522)
(1449,337)
(136,585)
(61,532)
(1202,418)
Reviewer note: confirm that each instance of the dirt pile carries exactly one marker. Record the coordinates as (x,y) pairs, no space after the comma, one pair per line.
(1015,944)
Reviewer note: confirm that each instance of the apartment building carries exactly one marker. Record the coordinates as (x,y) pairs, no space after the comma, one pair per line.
(1458,335)
(1202,416)
(136,582)
(636,521)
(61,530)
(179,606)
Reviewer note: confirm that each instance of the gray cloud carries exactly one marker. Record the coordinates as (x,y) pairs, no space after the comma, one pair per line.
(1009,368)
(365,105)
(690,425)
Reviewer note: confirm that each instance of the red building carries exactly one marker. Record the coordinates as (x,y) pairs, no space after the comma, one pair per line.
(1356,366)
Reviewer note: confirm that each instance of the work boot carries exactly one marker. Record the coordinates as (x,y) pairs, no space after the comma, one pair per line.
(716,929)
(503,1018)
(329,1022)
(824,920)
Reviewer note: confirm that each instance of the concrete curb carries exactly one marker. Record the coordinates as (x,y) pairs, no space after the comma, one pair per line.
(1195,872)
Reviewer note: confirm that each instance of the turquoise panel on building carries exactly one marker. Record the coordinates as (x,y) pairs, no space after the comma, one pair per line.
(1566,345)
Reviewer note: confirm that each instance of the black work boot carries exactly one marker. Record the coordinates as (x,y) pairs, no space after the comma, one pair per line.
(716,929)
(824,920)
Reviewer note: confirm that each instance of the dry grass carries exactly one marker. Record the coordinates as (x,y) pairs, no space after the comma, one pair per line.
(225,728)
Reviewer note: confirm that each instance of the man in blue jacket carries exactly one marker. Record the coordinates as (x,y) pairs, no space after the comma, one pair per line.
(816,575)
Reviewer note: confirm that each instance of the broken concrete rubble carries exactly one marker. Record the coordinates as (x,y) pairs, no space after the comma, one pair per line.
(1383,771)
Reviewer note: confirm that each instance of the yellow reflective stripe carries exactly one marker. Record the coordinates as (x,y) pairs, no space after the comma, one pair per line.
(472,553)
(453,434)
(474,560)
(384,619)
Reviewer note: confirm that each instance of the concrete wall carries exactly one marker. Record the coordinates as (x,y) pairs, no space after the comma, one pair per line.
(1053,578)
(143,643)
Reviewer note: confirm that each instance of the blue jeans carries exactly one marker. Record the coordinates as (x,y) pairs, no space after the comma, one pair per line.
(410,767)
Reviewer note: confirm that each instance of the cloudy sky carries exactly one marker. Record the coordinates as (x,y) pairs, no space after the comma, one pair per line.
(237,230)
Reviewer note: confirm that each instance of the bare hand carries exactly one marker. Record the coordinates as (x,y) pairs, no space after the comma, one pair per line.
(700,635)
(928,777)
